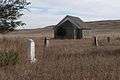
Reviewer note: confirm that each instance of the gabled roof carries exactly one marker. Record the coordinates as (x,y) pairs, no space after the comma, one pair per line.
(105,24)
(74,20)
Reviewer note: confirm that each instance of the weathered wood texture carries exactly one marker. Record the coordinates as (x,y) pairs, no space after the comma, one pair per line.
(70,31)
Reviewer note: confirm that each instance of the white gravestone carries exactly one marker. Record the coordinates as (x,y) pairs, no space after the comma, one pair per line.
(31,50)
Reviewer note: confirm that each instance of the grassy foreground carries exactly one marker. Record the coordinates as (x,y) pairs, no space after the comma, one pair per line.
(67,60)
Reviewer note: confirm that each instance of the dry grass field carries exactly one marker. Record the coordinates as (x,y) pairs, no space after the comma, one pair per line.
(63,60)
(24,70)
(72,61)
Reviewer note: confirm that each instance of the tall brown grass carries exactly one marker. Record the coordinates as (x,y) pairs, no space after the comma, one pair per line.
(63,60)
(24,70)
(73,61)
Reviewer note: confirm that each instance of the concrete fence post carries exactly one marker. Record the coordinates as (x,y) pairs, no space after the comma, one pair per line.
(31,50)
(108,39)
(95,41)
(75,36)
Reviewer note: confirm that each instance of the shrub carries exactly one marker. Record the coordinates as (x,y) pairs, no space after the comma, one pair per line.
(8,58)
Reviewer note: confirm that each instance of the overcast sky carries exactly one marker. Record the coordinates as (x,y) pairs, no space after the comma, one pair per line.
(49,12)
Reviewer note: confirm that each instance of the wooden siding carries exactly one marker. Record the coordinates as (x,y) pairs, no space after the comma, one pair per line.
(71,31)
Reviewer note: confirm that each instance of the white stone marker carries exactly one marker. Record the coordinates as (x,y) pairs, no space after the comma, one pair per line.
(31,51)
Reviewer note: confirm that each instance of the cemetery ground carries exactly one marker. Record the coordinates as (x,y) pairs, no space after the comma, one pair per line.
(63,60)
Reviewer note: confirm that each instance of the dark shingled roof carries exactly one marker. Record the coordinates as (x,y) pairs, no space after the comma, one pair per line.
(105,24)
(75,20)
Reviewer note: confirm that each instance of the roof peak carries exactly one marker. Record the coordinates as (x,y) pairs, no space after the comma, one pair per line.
(74,20)
(71,16)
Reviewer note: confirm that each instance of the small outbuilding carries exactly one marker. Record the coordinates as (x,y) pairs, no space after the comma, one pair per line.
(69,28)
(74,28)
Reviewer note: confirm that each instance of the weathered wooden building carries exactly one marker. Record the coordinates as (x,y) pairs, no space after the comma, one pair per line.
(74,28)
(69,28)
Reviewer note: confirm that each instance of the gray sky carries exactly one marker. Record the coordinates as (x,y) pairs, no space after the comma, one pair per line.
(49,12)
